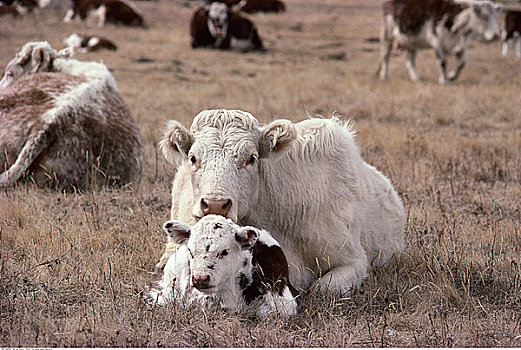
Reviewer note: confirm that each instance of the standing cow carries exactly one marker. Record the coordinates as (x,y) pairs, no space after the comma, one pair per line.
(512,32)
(306,183)
(221,27)
(114,11)
(444,25)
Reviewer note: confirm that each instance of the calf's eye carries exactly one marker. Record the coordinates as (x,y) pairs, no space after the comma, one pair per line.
(224,253)
(193,160)
(251,160)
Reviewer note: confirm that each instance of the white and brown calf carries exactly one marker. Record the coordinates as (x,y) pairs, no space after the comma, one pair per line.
(238,268)
(512,32)
(87,43)
(220,27)
(443,25)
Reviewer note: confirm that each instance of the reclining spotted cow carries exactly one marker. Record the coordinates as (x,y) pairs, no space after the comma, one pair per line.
(306,183)
(443,25)
(218,262)
(64,124)
(220,27)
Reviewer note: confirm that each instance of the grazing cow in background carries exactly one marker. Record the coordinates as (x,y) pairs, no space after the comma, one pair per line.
(252,6)
(333,214)
(444,25)
(114,11)
(239,268)
(512,32)
(8,9)
(221,27)
(87,43)
(64,124)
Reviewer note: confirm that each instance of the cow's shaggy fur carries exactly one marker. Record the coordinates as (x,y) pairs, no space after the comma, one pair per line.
(218,262)
(306,183)
(64,123)
(443,25)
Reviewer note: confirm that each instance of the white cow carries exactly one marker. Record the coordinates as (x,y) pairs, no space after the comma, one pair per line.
(238,268)
(306,183)
(443,25)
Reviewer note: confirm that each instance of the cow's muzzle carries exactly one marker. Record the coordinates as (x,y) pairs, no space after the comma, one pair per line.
(216,206)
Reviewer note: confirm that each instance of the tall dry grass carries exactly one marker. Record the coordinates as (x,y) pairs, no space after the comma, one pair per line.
(73,265)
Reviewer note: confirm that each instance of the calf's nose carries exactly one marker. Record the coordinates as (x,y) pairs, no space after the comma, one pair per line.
(216,206)
(201,281)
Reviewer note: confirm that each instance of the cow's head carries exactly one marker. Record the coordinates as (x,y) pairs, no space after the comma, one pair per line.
(218,19)
(481,20)
(218,251)
(34,57)
(225,150)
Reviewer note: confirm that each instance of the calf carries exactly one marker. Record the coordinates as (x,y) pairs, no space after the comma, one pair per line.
(512,32)
(444,25)
(239,268)
(221,27)
(87,43)
(114,11)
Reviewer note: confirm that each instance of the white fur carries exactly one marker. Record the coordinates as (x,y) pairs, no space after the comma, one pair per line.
(203,249)
(333,214)
(445,42)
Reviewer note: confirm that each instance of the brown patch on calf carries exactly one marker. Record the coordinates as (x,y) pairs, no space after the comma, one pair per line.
(412,15)
(270,272)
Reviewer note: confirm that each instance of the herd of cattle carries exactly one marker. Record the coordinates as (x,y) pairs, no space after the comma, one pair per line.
(259,213)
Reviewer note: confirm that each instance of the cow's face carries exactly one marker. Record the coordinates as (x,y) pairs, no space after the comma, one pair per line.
(224,150)
(34,57)
(218,19)
(483,20)
(218,251)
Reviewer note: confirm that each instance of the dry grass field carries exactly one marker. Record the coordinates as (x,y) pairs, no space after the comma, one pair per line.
(73,265)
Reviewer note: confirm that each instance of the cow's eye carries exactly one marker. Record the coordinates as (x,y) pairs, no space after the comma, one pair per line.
(224,253)
(9,73)
(193,160)
(251,160)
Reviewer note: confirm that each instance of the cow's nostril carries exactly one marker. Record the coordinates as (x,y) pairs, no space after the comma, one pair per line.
(227,205)
(204,205)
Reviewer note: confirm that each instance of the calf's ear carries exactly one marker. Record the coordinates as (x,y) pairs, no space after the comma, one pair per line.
(177,230)
(42,58)
(246,237)
(276,137)
(176,143)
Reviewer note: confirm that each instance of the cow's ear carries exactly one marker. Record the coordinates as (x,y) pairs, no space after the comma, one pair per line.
(42,58)
(276,137)
(175,143)
(177,230)
(247,236)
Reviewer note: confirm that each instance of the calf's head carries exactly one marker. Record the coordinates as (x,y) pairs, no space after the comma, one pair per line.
(224,150)
(218,250)
(481,19)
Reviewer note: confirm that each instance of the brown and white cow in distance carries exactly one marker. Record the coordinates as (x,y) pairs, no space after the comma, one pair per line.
(220,27)
(87,43)
(218,262)
(512,32)
(64,124)
(113,11)
(443,25)
(333,214)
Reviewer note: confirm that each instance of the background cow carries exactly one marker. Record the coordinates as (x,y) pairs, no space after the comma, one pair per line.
(333,214)
(444,25)
(114,11)
(87,43)
(252,6)
(512,32)
(221,27)
(64,123)
(240,268)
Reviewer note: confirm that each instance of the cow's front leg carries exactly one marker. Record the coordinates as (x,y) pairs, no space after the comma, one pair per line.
(517,46)
(460,63)
(339,281)
(441,57)
(410,62)
(386,45)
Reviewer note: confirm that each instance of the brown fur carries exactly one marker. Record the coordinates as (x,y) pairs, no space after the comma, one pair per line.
(512,23)
(117,11)
(411,15)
